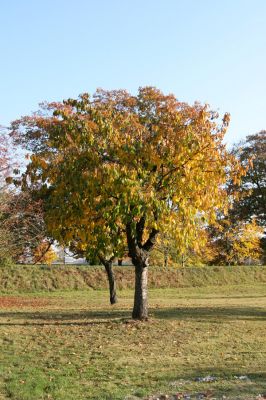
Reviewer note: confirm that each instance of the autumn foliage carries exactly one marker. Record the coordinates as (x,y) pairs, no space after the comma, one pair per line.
(119,169)
(44,254)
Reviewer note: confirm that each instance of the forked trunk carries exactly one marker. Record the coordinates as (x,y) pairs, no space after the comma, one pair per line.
(139,253)
(140,309)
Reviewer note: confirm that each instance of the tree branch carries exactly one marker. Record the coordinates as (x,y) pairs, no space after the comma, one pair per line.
(140,229)
(148,245)
(130,240)
(45,251)
(104,260)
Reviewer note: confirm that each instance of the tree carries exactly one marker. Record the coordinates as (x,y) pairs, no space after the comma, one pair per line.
(21,216)
(81,229)
(170,252)
(252,191)
(23,219)
(94,242)
(250,203)
(144,162)
(7,163)
(236,243)
(6,242)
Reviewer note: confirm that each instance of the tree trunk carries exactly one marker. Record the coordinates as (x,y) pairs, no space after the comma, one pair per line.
(140,309)
(166,256)
(111,279)
(120,261)
(139,253)
(108,265)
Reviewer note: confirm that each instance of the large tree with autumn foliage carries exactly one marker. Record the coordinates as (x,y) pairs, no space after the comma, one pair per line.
(134,166)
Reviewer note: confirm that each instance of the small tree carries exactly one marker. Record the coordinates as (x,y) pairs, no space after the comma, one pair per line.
(238,237)
(24,220)
(168,251)
(6,158)
(82,228)
(252,191)
(146,163)
(94,243)
(7,248)
(7,164)
(236,243)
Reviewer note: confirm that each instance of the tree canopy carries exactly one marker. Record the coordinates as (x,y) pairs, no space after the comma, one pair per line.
(119,167)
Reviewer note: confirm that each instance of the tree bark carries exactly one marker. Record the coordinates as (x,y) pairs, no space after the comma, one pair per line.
(140,309)
(120,262)
(139,254)
(166,257)
(108,265)
(112,283)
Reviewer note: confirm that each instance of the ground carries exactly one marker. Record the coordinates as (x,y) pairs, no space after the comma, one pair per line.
(198,343)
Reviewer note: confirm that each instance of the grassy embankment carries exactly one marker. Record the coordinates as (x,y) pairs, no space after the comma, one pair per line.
(35,277)
(73,345)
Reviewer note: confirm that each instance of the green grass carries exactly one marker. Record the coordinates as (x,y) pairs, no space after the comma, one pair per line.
(73,345)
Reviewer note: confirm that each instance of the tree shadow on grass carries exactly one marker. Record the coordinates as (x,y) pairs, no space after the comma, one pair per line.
(78,318)
(216,314)
(83,317)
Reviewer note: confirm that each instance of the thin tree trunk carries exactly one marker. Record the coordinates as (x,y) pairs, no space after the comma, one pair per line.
(108,265)
(140,309)
(112,283)
(166,256)
(120,261)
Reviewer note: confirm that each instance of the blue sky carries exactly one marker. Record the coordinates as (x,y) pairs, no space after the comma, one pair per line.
(210,51)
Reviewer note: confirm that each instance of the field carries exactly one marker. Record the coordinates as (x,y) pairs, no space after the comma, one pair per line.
(201,342)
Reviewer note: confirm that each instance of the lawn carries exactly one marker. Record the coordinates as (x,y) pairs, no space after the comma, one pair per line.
(207,341)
